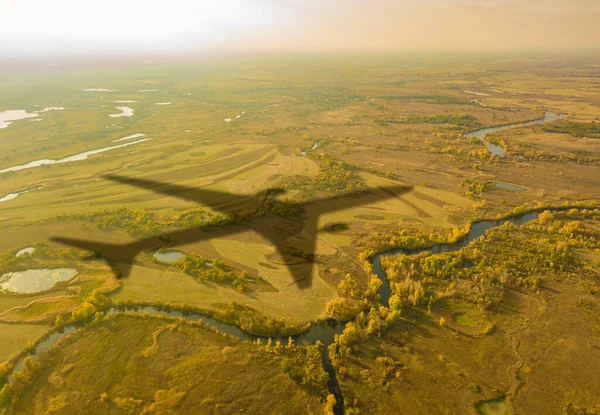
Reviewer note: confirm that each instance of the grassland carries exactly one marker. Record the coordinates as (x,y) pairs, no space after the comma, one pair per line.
(15,336)
(243,377)
(379,121)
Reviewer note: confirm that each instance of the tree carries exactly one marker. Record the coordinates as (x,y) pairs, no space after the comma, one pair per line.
(329,405)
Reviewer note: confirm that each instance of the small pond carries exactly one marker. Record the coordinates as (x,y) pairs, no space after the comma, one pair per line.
(28,250)
(508,186)
(493,407)
(34,280)
(169,257)
(125,112)
(13,115)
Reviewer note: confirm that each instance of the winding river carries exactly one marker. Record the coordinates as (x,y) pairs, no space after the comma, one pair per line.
(497,150)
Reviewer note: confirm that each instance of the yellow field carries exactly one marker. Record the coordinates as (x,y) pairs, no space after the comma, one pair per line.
(391,122)
(14,338)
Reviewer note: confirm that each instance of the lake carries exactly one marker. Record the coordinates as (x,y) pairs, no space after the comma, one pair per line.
(125,112)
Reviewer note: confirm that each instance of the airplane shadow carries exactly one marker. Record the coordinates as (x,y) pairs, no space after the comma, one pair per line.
(261,212)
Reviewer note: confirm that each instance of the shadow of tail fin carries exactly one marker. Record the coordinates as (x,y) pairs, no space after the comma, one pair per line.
(118,256)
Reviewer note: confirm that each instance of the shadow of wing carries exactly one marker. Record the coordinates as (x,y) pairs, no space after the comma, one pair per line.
(119,257)
(189,193)
(358,198)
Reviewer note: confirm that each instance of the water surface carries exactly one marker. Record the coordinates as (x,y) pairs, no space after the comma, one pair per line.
(497,150)
(125,112)
(482,94)
(508,186)
(129,137)
(76,157)
(493,407)
(477,229)
(7,117)
(28,250)
(315,145)
(169,257)
(12,196)
(34,280)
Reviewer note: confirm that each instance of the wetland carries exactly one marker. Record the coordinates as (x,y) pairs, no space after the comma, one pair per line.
(446,294)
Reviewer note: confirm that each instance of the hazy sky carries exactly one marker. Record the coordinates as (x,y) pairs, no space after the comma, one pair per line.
(68,26)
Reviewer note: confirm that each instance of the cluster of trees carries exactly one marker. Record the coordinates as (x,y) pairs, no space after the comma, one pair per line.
(542,249)
(335,176)
(303,365)
(342,308)
(496,140)
(362,304)
(91,305)
(366,325)
(266,204)
(583,206)
(461,120)
(430,99)
(517,154)
(474,189)
(407,292)
(20,381)
(410,239)
(215,271)
(457,154)
(445,145)
(254,322)
(137,222)
(41,250)
(576,129)
(198,217)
